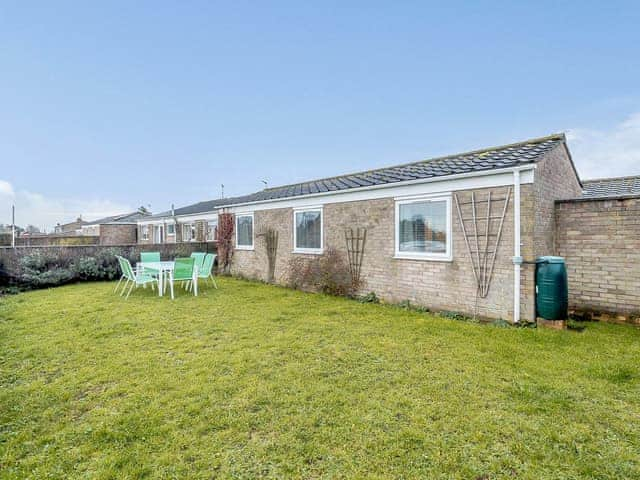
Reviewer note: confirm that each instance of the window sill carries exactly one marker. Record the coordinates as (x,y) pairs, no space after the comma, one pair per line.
(244,248)
(424,258)
(308,251)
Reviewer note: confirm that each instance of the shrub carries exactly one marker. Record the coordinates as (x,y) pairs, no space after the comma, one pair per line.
(44,269)
(86,268)
(328,273)
(370,297)
(102,266)
(49,268)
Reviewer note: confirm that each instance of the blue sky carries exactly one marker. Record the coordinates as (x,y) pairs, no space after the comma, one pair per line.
(109,106)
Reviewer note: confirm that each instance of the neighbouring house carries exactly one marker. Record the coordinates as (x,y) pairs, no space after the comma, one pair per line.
(117,229)
(70,228)
(459,232)
(193,223)
(114,230)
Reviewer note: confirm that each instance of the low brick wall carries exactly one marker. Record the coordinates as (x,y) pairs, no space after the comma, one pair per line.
(9,257)
(51,240)
(600,240)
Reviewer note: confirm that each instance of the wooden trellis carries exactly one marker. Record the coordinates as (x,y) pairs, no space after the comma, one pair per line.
(356,240)
(482,251)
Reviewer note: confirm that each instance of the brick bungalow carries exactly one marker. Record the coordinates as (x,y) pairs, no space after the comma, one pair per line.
(119,229)
(414,215)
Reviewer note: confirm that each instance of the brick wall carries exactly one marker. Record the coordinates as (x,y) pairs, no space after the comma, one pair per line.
(555,179)
(118,234)
(54,239)
(439,285)
(600,240)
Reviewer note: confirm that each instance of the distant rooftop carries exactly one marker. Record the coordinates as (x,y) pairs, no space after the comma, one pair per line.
(611,187)
(492,158)
(131,217)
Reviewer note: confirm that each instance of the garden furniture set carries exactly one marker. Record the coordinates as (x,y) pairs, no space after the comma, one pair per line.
(151,270)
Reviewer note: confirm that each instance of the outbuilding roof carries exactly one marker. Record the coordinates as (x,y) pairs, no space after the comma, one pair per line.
(505,156)
(611,187)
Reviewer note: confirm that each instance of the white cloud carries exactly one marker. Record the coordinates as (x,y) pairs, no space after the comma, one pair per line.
(6,189)
(44,212)
(607,153)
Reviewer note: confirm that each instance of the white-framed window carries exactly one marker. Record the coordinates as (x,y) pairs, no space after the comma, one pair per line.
(308,230)
(244,231)
(188,232)
(171,229)
(145,232)
(212,230)
(423,228)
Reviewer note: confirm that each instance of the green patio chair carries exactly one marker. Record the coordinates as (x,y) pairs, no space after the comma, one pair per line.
(199,258)
(123,276)
(135,279)
(206,271)
(183,272)
(150,257)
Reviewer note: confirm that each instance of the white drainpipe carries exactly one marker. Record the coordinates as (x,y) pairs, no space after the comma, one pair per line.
(517,259)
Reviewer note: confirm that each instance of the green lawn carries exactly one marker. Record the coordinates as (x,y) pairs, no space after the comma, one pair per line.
(258,381)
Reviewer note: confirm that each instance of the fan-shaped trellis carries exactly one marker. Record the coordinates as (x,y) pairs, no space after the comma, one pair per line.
(482,233)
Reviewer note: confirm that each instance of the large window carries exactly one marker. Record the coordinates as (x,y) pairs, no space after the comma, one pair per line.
(307,230)
(244,231)
(145,232)
(423,228)
(171,229)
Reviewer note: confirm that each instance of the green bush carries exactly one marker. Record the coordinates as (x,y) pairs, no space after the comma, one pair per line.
(43,269)
(48,269)
(86,268)
(102,266)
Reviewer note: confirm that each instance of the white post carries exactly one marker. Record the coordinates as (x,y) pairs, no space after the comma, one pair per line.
(13,226)
(517,259)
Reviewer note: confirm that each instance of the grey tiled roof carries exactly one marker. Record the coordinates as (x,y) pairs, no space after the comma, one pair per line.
(201,207)
(611,187)
(132,217)
(506,156)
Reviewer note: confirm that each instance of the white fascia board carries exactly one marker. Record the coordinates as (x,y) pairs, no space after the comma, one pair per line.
(198,216)
(430,186)
(156,221)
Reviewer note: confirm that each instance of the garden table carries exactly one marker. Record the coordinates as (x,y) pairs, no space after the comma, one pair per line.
(166,268)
